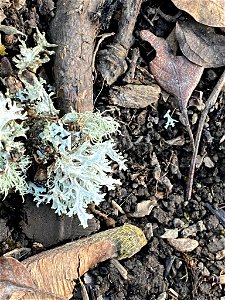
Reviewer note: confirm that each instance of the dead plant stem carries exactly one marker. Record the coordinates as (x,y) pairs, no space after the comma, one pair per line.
(209,103)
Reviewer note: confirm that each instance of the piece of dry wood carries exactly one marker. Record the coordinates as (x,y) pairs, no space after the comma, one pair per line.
(123,272)
(134,95)
(112,60)
(130,74)
(209,103)
(74,32)
(54,272)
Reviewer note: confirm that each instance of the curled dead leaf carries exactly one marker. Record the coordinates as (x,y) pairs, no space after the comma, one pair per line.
(112,60)
(51,274)
(201,44)
(176,74)
(16,282)
(112,63)
(210,13)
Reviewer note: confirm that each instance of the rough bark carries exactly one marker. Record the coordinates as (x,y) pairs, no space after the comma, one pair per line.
(112,60)
(74,32)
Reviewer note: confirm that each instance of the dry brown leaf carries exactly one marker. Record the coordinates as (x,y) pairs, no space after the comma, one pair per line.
(210,12)
(201,44)
(176,74)
(15,272)
(16,282)
(53,272)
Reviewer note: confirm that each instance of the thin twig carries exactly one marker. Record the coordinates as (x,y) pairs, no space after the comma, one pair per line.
(209,103)
(188,126)
(102,38)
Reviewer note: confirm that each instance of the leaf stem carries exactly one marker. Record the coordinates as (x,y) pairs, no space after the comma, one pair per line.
(188,127)
(209,103)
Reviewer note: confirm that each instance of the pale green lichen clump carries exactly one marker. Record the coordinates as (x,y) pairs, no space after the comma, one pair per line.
(80,169)
(13,162)
(81,146)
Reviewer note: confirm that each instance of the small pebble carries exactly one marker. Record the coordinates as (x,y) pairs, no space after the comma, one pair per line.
(183,244)
(162,296)
(170,234)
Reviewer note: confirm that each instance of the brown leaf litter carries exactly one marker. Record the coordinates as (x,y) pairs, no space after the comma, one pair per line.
(210,13)
(176,74)
(201,44)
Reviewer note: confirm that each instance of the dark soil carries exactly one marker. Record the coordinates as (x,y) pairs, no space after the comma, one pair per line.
(157,268)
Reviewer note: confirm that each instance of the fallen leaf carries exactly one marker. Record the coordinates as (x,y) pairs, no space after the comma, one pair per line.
(157,173)
(16,282)
(183,244)
(201,44)
(176,74)
(210,13)
(112,62)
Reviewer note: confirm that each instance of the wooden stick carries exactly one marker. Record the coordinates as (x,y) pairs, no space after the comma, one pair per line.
(74,32)
(209,103)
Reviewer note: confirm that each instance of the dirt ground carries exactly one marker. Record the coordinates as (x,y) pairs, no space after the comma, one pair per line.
(158,271)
